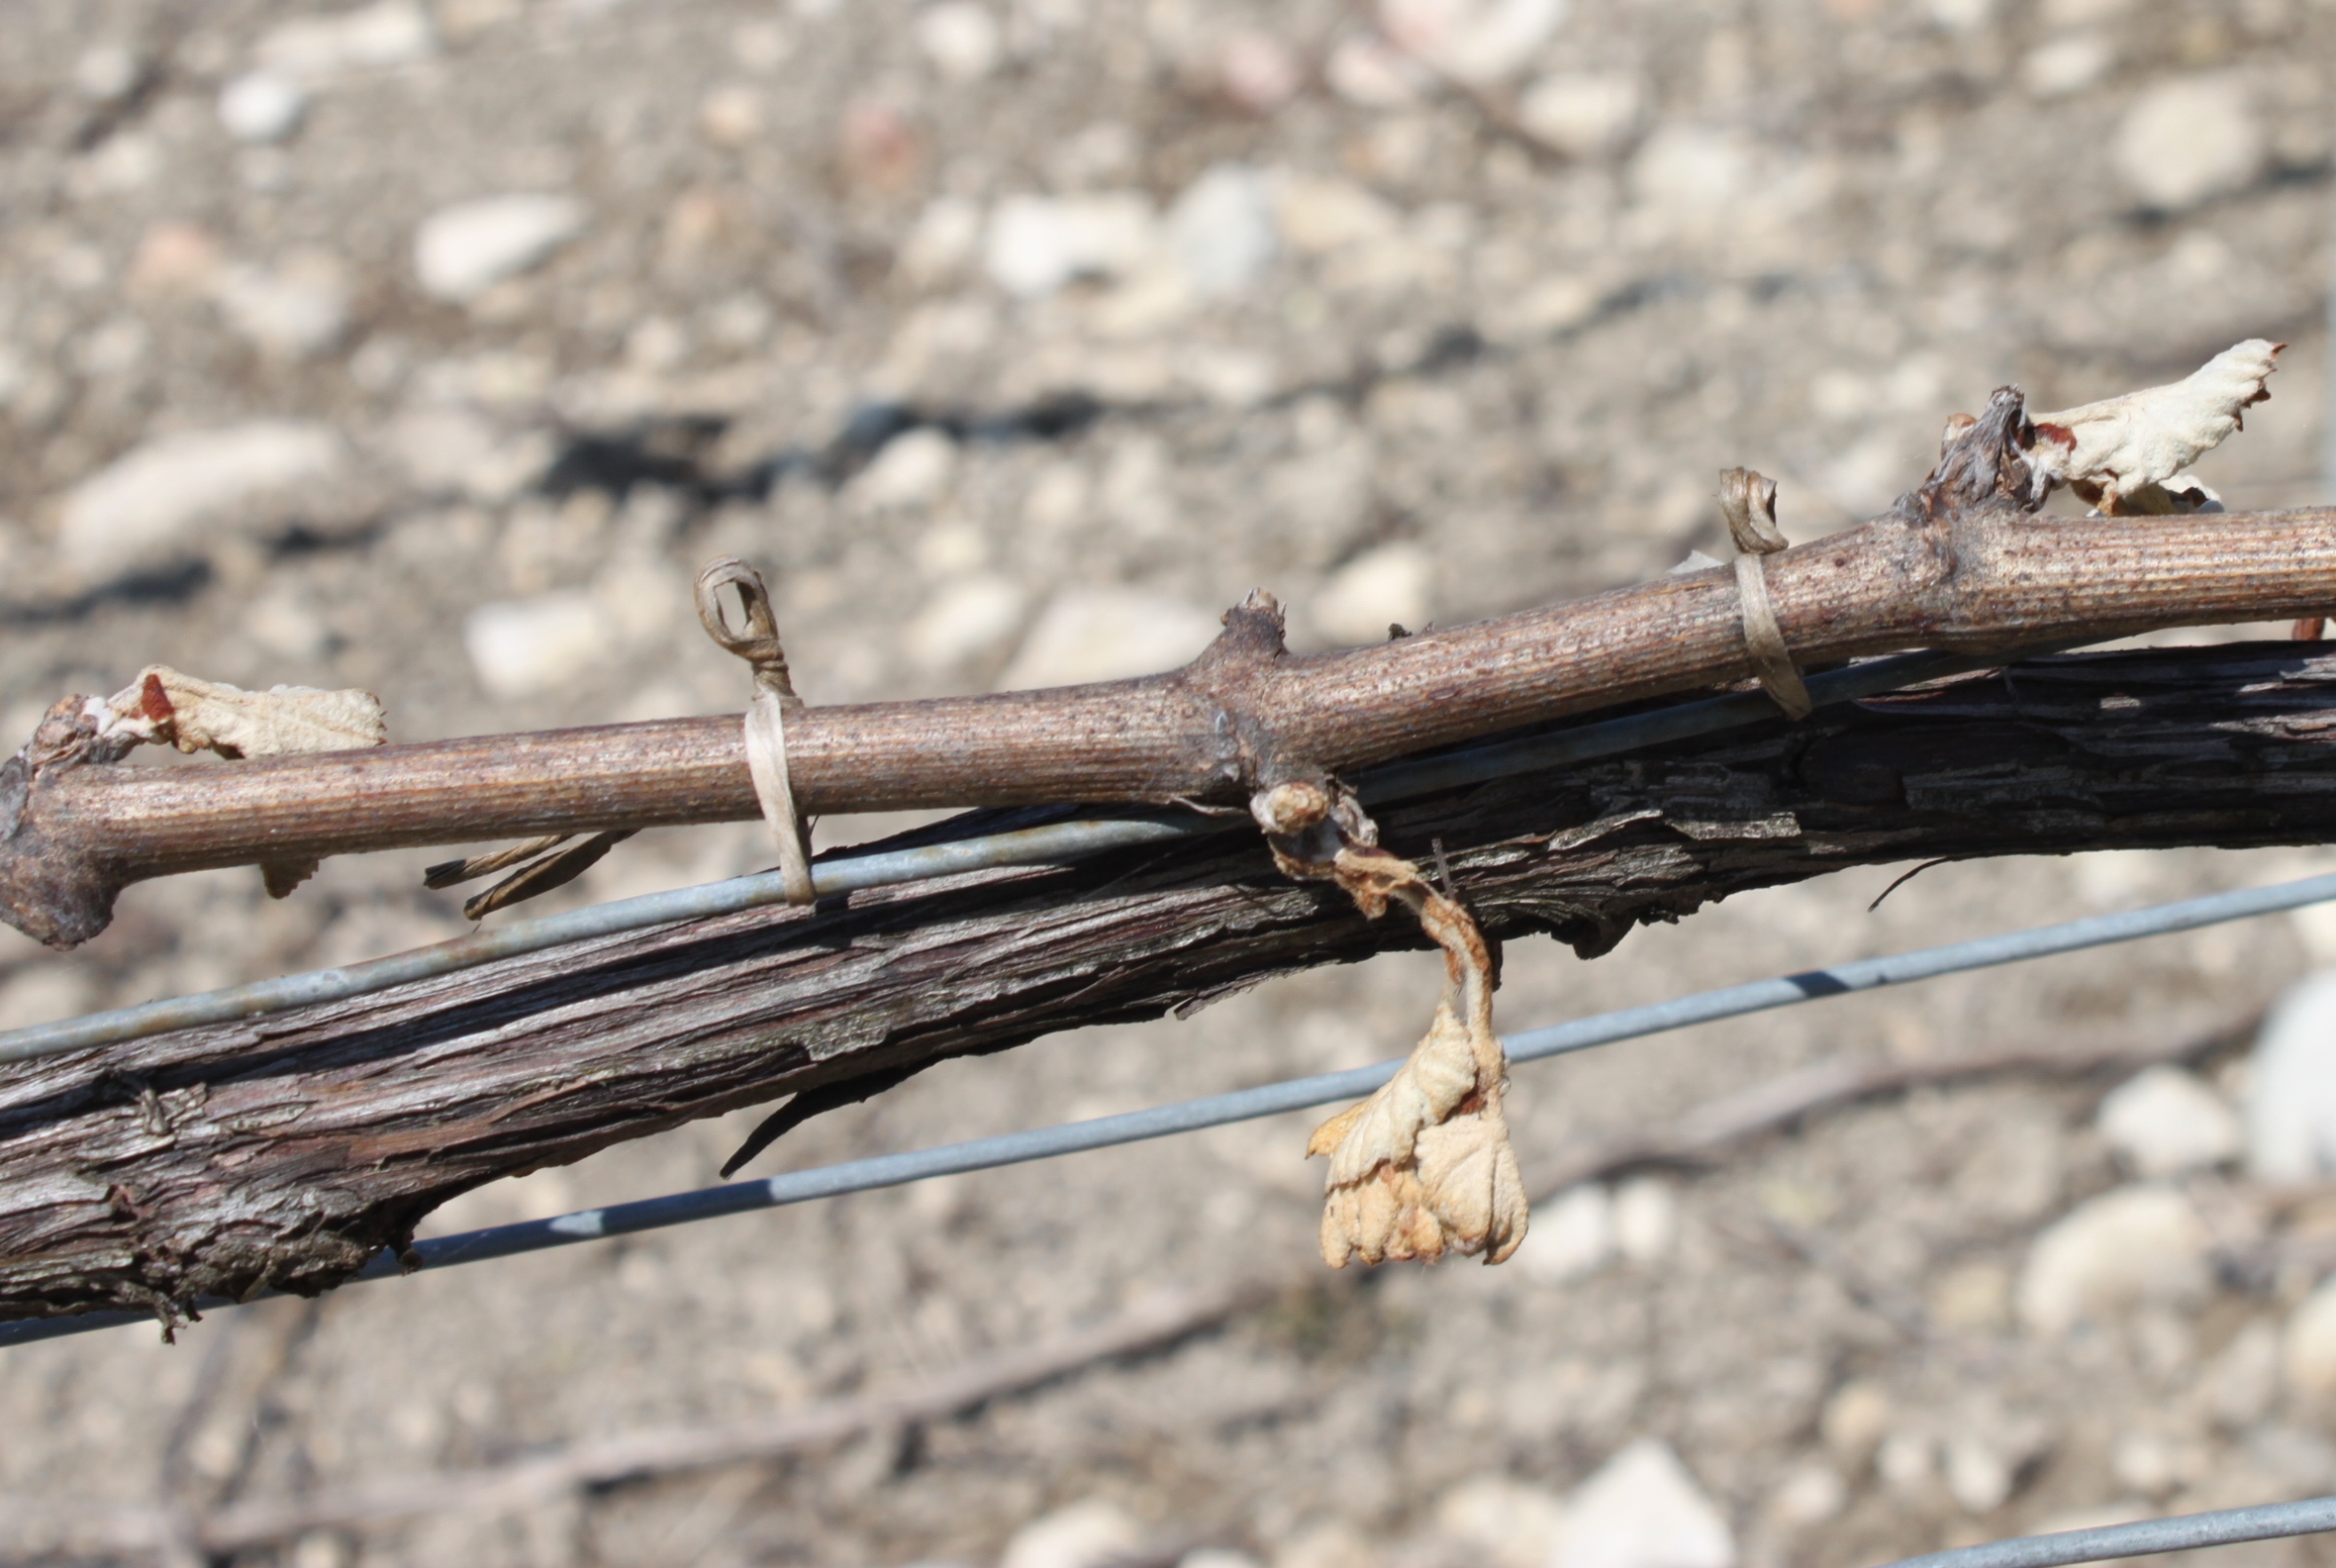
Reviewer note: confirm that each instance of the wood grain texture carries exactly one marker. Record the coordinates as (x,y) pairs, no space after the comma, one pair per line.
(285,1152)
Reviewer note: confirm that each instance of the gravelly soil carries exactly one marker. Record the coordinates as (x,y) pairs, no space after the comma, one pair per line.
(1473,367)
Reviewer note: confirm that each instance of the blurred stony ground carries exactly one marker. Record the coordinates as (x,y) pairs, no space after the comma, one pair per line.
(431,350)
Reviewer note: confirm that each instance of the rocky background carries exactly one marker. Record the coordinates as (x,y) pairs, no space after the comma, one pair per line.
(431,347)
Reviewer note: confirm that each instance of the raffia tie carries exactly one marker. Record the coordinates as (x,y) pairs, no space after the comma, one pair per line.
(1750,503)
(766,716)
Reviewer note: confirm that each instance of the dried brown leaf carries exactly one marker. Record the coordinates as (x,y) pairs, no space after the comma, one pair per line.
(1424,1167)
(2116,453)
(167,707)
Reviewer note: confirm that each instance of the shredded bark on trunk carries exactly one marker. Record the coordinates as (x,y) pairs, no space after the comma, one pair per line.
(1962,562)
(285,1152)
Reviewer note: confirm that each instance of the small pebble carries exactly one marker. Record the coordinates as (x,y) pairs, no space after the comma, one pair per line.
(371,37)
(461,252)
(2136,1245)
(1107,634)
(293,311)
(914,469)
(1583,114)
(2187,141)
(966,619)
(2292,1086)
(1502,1522)
(1091,1533)
(1643,1510)
(159,501)
(1258,71)
(960,38)
(1646,1218)
(2068,65)
(2308,1347)
(1222,230)
(520,647)
(1482,41)
(107,73)
(1038,244)
(2165,1122)
(262,106)
(1571,1236)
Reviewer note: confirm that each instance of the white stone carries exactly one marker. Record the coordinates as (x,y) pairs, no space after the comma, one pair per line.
(1979,1478)
(262,106)
(1365,69)
(960,38)
(1646,1218)
(1478,41)
(2137,1244)
(386,32)
(1854,1422)
(1222,228)
(1107,634)
(1643,1511)
(2083,13)
(1962,16)
(1691,173)
(966,619)
(1086,1535)
(1583,114)
(1390,585)
(2308,1348)
(1320,215)
(731,116)
(454,451)
(1038,244)
(1550,305)
(2067,64)
(2187,141)
(946,235)
(1507,1523)
(159,501)
(1810,1494)
(292,311)
(914,469)
(1259,71)
(1571,1238)
(288,625)
(461,252)
(105,74)
(1906,1462)
(520,647)
(2165,1122)
(2292,1086)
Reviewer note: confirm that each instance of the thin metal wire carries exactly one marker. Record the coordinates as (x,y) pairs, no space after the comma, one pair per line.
(1014,1148)
(1056,844)
(2181,1533)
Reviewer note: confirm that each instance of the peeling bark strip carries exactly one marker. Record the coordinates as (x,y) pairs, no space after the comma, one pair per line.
(1958,562)
(284,1151)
